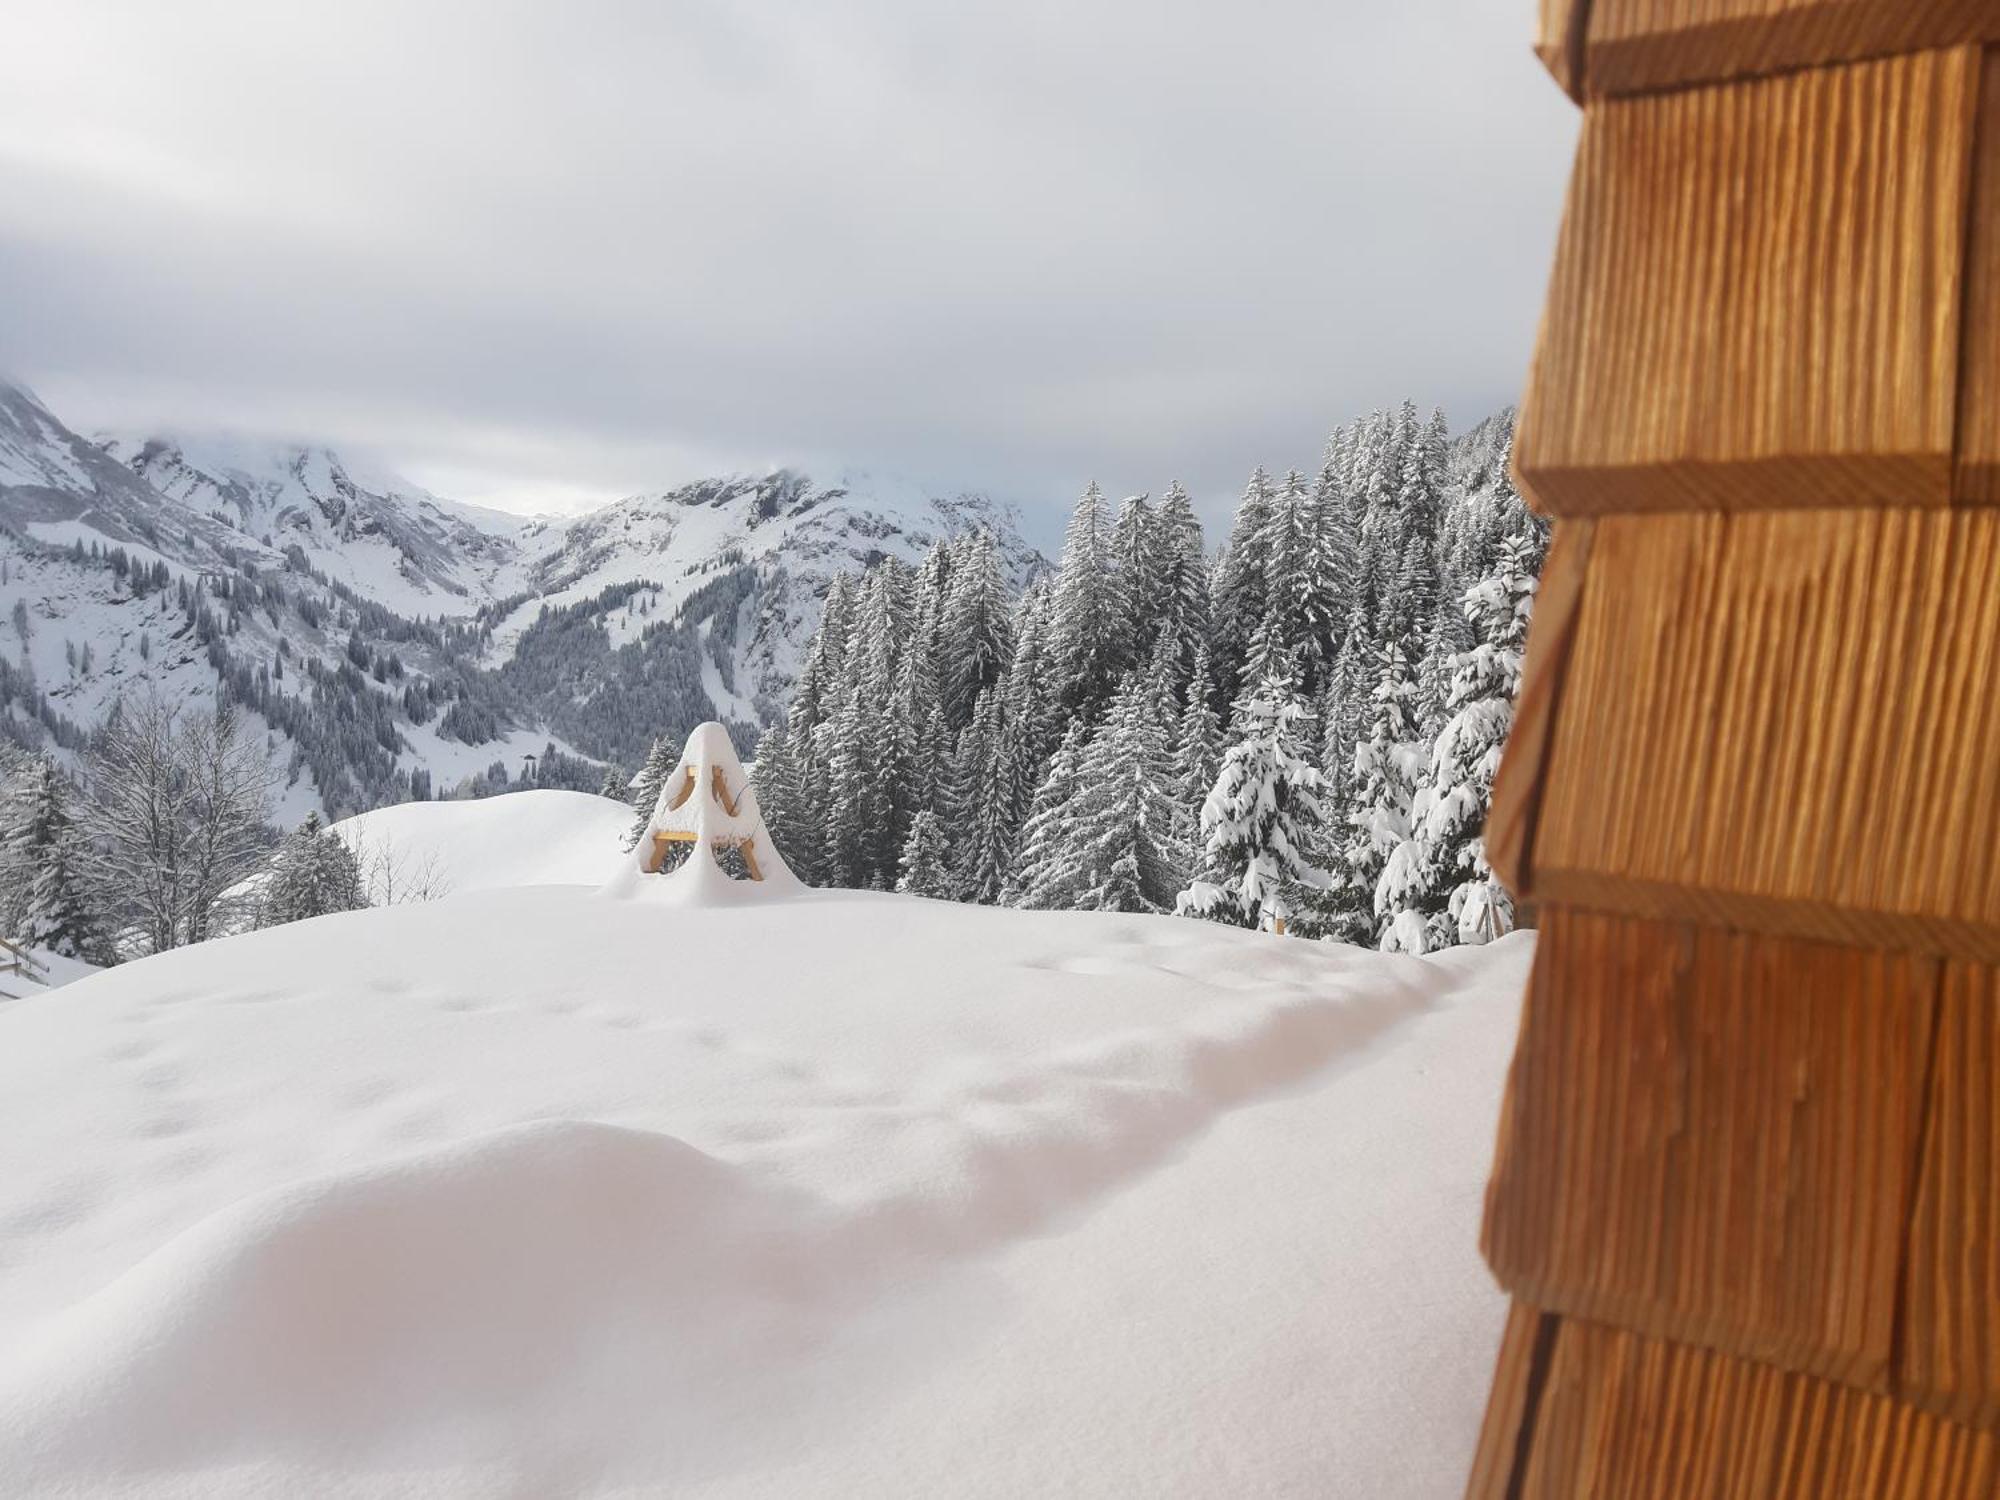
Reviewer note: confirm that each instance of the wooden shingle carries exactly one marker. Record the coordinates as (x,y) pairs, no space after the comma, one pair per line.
(1951,1333)
(1712,1136)
(1756,296)
(1788,721)
(1641,46)
(1624,1417)
(1979,381)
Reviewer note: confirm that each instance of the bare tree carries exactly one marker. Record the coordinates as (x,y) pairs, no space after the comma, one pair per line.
(393,876)
(229,802)
(178,818)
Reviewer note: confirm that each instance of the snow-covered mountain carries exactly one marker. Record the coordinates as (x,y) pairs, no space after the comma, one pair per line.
(383,537)
(396,642)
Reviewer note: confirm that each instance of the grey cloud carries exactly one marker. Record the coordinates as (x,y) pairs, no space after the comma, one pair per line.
(1007,245)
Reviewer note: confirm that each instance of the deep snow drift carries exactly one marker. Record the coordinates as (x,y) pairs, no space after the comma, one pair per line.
(545,837)
(528,1192)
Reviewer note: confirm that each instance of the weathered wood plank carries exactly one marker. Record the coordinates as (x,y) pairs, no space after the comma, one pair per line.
(1785,720)
(1951,1329)
(1509,1407)
(1623,1417)
(1559,38)
(1979,382)
(1756,296)
(1641,46)
(1712,1136)
(1517,787)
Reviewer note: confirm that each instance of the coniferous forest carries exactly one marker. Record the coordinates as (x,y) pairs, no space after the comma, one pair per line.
(1296,730)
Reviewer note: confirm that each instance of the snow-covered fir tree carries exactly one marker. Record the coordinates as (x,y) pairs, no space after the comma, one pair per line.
(1384,861)
(312,873)
(1049,873)
(1016,726)
(1088,613)
(1261,816)
(1475,907)
(42,858)
(926,868)
(647,786)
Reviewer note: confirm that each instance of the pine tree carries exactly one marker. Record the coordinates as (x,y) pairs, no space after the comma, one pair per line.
(1198,742)
(1178,593)
(616,783)
(1048,876)
(1087,613)
(312,873)
(1286,549)
(42,850)
(1133,556)
(984,850)
(647,786)
(1325,568)
(975,632)
(1029,697)
(1260,816)
(1476,908)
(854,806)
(1239,588)
(775,774)
(1382,861)
(925,868)
(1122,816)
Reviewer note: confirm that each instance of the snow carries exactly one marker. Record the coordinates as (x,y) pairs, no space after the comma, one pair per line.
(730,704)
(690,806)
(544,837)
(55,971)
(529,1192)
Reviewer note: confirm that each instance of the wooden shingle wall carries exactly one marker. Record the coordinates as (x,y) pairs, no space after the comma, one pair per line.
(1747,1189)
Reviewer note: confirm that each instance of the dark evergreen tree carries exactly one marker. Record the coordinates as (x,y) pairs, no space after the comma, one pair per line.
(42,849)
(976,631)
(1178,592)
(925,868)
(1259,818)
(1470,904)
(1239,588)
(311,874)
(1087,614)
(647,786)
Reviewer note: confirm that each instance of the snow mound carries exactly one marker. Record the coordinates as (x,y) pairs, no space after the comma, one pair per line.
(491,1276)
(542,837)
(533,1193)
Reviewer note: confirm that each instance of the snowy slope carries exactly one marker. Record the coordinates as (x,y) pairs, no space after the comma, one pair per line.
(520,838)
(535,1192)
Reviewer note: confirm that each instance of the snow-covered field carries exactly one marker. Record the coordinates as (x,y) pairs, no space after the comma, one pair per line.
(532,1192)
(545,837)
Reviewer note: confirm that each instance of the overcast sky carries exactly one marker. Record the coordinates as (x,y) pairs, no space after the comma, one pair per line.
(541,255)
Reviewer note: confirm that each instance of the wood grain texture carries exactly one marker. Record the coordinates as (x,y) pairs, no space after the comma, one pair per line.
(1712,1136)
(1641,46)
(1559,41)
(1951,1327)
(1786,720)
(1978,480)
(1756,296)
(1623,1417)
(1517,786)
(1510,1405)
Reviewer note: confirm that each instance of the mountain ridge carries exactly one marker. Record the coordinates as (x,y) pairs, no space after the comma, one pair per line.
(395,642)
